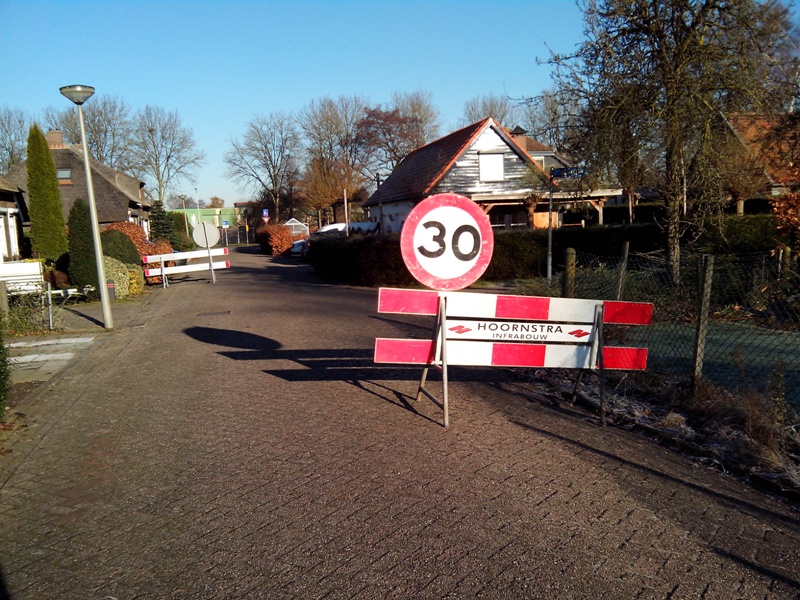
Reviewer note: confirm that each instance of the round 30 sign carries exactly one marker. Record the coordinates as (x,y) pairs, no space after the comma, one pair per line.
(447,242)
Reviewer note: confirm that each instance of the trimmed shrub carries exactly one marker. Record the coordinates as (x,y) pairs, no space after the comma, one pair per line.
(518,254)
(135,279)
(82,261)
(118,273)
(118,245)
(360,260)
(739,234)
(143,247)
(274,240)
(179,223)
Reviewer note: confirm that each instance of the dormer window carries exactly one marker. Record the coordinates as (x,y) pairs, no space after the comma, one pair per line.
(491,167)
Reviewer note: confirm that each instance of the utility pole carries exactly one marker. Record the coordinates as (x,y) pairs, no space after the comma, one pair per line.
(380,203)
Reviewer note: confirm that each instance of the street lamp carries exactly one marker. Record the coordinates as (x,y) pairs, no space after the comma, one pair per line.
(550,229)
(182,198)
(80,94)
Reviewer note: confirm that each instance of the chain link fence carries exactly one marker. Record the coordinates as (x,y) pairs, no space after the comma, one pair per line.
(749,339)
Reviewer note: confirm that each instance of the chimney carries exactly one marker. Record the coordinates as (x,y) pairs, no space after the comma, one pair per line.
(55,139)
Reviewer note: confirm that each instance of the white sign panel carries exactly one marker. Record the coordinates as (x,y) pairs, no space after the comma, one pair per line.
(519,331)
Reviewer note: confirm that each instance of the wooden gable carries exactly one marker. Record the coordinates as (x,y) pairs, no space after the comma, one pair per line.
(490,168)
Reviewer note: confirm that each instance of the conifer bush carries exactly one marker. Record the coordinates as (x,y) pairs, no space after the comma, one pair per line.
(82,261)
(48,235)
(162,227)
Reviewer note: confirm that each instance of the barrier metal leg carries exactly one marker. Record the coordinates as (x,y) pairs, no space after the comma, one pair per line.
(440,361)
(597,359)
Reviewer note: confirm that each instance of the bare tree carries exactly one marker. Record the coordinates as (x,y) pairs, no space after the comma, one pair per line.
(387,135)
(418,107)
(661,75)
(266,156)
(502,109)
(550,119)
(163,152)
(15,125)
(176,201)
(336,154)
(108,128)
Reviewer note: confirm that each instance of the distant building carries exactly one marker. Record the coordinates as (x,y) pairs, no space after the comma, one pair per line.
(504,172)
(10,221)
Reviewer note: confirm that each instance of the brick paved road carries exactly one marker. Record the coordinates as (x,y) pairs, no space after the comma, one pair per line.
(235,441)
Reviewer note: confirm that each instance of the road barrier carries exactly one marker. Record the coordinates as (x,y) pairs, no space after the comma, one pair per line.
(474,329)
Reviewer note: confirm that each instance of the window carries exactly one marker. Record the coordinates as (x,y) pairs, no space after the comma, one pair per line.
(491,167)
(64,175)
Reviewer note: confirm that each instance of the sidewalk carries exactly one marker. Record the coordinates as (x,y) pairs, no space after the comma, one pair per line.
(39,361)
(38,358)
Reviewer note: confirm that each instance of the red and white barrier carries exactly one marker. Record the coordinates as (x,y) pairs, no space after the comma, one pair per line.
(162,270)
(477,353)
(157,258)
(495,306)
(513,331)
(185,268)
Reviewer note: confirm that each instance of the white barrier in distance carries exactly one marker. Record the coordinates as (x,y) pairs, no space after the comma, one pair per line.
(163,271)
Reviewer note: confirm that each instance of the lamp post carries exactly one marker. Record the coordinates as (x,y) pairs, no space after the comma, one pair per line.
(80,94)
(182,198)
(550,229)
(380,203)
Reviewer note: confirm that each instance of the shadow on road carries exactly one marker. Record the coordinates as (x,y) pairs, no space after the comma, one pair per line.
(340,364)
(350,365)
(4,593)
(743,505)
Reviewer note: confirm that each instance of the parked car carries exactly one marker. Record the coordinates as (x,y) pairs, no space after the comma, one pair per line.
(298,248)
(333,230)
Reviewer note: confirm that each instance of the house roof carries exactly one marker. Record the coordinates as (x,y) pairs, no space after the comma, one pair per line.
(758,134)
(419,172)
(115,191)
(7,186)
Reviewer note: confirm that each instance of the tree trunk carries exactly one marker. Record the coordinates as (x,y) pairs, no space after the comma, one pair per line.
(675,198)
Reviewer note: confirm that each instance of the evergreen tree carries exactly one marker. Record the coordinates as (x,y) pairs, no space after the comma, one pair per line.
(48,235)
(161,225)
(82,261)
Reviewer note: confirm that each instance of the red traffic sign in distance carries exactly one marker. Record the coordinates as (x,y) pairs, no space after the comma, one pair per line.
(447,242)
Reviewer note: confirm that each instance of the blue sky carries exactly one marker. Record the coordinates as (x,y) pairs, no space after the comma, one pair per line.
(220,63)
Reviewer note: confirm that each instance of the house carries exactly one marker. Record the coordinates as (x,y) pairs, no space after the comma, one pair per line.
(504,172)
(771,151)
(10,221)
(118,197)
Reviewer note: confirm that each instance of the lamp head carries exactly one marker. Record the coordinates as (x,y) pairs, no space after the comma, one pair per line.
(77,93)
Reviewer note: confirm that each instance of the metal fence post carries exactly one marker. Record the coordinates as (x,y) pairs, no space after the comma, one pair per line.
(706,273)
(623,267)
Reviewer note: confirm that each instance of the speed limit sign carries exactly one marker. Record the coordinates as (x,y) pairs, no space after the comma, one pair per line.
(447,242)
